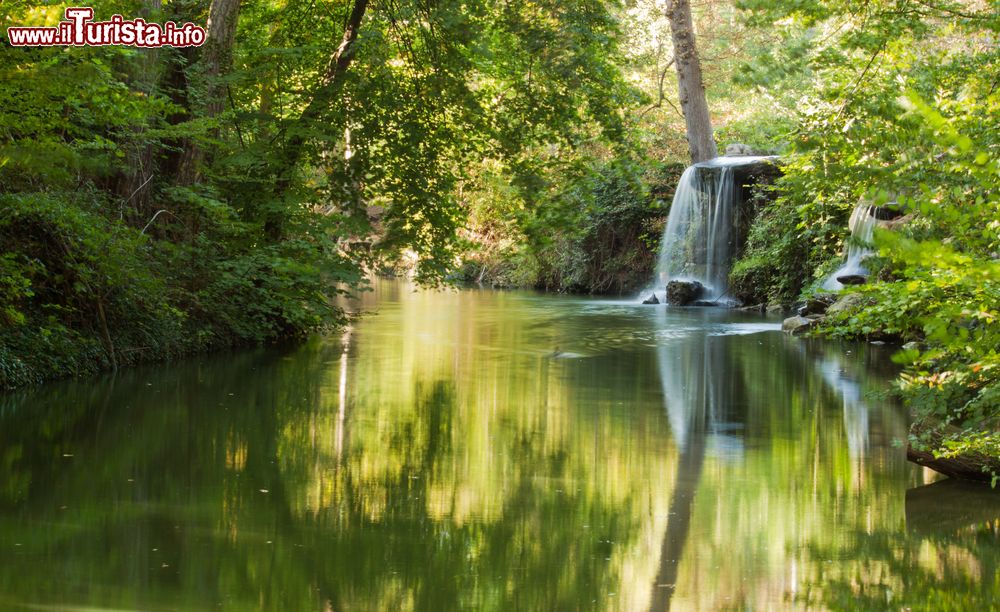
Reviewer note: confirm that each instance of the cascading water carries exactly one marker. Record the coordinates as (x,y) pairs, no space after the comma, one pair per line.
(862,225)
(700,240)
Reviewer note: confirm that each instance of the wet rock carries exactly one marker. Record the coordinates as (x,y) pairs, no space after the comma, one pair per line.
(776,309)
(761,308)
(703,303)
(683,293)
(817,304)
(850,301)
(799,325)
(852,279)
(911,346)
(651,300)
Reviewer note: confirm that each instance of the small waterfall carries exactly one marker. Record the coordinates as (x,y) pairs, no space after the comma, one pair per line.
(862,225)
(700,240)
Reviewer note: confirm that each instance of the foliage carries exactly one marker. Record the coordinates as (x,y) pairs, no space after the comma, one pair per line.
(151,208)
(907,112)
(608,242)
(775,263)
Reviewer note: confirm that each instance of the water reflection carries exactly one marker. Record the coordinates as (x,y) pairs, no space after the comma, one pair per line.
(479,450)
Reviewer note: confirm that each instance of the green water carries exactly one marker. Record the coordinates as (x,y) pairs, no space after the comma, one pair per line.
(500,451)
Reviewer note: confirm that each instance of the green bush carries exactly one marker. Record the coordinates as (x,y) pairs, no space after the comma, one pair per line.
(776,263)
(81,293)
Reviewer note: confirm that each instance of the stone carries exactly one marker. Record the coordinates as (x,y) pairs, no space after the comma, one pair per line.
(849,301)
(886,213)
(799,325)
(683,293)
(776,309)
(898,222)
(737,148)
(817,304)
(651,300)
(852,279)
(761,308)
(911,346)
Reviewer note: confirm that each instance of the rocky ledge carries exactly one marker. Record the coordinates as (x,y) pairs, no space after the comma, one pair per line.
(684,293)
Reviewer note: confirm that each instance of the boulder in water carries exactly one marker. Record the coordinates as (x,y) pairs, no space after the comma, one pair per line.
(816,304)
(651,300)
(798,325)
(683,293)
(852,279)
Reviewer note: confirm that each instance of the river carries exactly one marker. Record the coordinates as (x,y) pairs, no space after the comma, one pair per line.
(490,450)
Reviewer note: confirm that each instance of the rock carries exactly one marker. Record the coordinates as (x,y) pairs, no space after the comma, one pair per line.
(852,279)
(911,346)
(898,222)
(651,300)
(737,148)
(776,309)
(683,293)
(817,304)
(886,213)
(761,308)
(798,325)
(849,301)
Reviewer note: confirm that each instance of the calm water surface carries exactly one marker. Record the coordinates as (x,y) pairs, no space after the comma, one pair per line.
(500,451)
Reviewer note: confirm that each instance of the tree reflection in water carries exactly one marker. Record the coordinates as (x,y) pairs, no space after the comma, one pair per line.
(443,455)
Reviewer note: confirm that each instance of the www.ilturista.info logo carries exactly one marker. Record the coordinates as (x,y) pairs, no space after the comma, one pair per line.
(79,29)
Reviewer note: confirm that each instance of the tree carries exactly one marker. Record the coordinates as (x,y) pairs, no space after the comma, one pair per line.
(215,61)
(165,201)
(330,84)
(690,87)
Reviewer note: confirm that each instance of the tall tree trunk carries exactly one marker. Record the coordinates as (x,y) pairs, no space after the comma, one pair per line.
(135,185)
(217,55)
(689,82)
(294,146)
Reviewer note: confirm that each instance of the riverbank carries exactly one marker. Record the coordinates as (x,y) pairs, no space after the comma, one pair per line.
(84,292)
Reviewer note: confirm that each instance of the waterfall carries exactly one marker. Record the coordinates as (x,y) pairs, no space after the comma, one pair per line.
(700,238)
(862,225)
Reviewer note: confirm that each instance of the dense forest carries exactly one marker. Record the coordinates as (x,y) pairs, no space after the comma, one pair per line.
(160,202)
